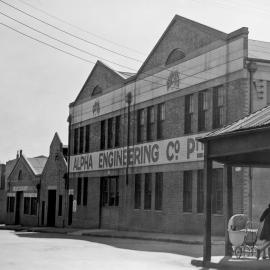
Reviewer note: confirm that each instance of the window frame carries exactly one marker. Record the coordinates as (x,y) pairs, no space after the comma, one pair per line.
(189,111)
(159,191)
(147,191)
(187,191)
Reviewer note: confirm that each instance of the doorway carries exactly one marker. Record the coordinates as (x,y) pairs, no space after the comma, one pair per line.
(70,208)
(51,208)
(18,207)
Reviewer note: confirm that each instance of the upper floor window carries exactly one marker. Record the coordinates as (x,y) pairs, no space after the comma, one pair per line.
(20,175)
(87,139)
(117,130)
(110,133)
(102,134)
(150,123)
(81,140)
(160,120)
(189,109)
(218,106)
(97,90)
(75,142)
(174,56)
(140,125)
(202,109)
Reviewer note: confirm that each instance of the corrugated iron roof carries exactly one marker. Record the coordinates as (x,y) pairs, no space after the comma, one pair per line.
(258,49)
(260,118)
(37,164)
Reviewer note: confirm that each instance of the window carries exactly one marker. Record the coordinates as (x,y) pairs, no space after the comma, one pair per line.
(81,140)
(202,109)
(26,205)
(33,206)
(105,193)
(188,113)
(10,204)
(102,135)
(79,191)
(150,123)
(140,125)
(87,139)
(76,137)
(113,191)
(158,191)
(217,191)
(117,131)
(60,203)
(137,193)
(85,190)
(20,177)
(187,190)
(110,133)
(160,120)
(110,191)
(97,90)
(218,106)
(200,191)
(147,191)
(174,56)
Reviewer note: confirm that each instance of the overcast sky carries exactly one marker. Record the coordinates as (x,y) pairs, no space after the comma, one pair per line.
(38,82)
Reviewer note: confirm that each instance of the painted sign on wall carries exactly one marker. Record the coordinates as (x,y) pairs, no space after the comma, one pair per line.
(176,150)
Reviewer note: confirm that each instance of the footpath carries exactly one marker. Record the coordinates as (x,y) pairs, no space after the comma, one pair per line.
(174,238)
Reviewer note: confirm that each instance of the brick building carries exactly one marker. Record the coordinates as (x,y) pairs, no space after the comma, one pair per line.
(52,186)
(135,163)
(23,191)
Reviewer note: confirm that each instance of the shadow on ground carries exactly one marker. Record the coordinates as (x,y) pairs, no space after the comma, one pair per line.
(233,264)
(132,244)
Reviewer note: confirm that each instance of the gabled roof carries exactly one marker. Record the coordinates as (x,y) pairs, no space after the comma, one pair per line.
(119,76)
(37,164)
(258,119)
(218,34)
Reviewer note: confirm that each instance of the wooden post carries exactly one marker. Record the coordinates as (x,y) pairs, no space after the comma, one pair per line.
(229,206)
(207,205)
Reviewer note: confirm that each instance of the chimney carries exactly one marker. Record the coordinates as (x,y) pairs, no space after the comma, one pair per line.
(20,153)
(17,155)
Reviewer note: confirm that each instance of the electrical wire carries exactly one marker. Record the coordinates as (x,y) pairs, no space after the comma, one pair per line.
(79,28)
(70,34)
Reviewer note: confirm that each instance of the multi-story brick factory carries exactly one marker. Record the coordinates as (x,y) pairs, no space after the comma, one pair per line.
(135,163)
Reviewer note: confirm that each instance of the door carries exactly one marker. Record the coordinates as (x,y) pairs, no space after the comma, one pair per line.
(18,208)
(109,198)
(70,208)
(51,208)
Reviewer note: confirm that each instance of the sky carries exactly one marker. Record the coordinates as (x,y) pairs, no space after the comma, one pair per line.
(38,82)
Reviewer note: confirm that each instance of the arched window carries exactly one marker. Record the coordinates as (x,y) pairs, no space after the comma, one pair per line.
(174,56)
(97,90)
(20,175)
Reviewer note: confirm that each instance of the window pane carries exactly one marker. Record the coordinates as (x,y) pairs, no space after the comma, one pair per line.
(79,190)
(200,191)
(147,191)
(110,133)
(26,207)
(85,190)
(76,137)
(60,202)
(158,191)
(188,113)
(81,139)
(87,138)
(117,131)
(187,190)
(102,135)
(104,183)
(33,206)
(137,195)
